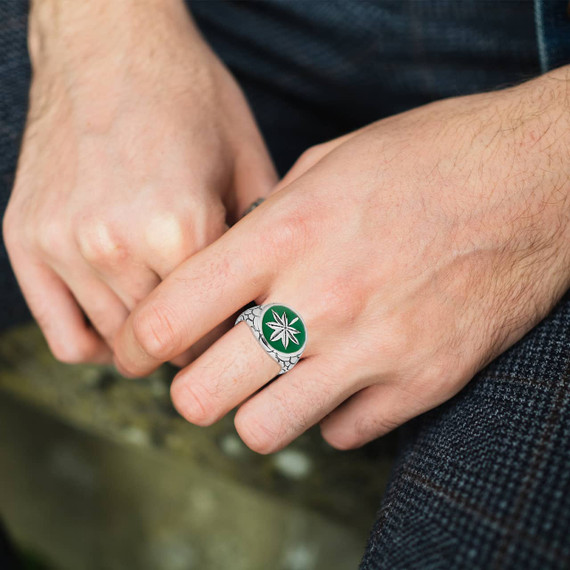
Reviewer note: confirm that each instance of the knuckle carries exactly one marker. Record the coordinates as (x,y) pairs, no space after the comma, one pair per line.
(288,233)
(310,156)
(339,301)
(67,356)
(71,353)
(171,235)
(98,242)
(439,377)
(256,434)
(398,339)
(154,330)
(192,403)
(341,439)
(126,367)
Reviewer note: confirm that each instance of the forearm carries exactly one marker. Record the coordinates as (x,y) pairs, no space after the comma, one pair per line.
(542,133)
(544,114)
(92,50)
(86,30)
(519,141)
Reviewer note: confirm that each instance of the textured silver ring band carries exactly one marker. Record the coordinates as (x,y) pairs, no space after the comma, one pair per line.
(279,330)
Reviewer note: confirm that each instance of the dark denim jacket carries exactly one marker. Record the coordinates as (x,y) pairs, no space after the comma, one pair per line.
(553,32)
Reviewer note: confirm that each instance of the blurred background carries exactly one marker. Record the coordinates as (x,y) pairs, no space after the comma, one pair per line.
(99,472)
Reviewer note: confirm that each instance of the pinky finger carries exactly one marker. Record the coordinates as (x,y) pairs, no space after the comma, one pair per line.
(369,414)
(69,336)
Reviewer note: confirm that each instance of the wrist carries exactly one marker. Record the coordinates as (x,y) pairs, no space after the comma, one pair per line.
(67,33)
(538,113)
(515,143)
(93,57)
(542,124)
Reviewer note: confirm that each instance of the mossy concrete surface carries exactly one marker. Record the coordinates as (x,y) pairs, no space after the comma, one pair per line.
(99,472)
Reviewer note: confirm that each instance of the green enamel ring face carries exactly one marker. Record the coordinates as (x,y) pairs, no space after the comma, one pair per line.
(283,329)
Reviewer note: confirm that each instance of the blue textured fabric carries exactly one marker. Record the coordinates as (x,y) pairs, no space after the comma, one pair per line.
(482,482)
(553,32)
(314,70)
(14,82)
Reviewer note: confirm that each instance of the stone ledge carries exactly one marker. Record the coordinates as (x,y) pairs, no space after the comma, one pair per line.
(343,487)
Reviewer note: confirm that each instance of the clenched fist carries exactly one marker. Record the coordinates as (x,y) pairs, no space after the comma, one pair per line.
(139,147)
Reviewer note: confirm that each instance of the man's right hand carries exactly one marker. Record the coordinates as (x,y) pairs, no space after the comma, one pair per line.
(139,146)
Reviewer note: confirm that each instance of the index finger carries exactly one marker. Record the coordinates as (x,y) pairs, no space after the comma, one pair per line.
(200,294)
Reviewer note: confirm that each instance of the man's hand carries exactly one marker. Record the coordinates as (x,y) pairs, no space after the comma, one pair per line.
(139,146)
(416,250)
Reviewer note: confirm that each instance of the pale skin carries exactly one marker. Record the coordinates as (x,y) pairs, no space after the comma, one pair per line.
(416,249)
(139,149)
